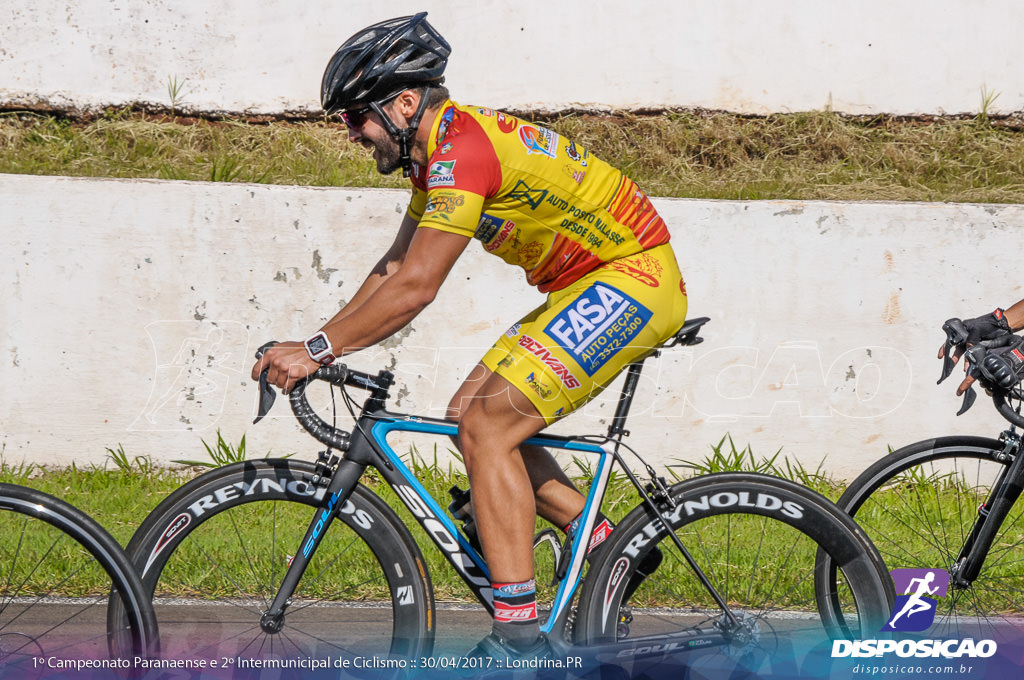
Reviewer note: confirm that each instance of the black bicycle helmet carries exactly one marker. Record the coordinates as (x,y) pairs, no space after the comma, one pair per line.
(380,61)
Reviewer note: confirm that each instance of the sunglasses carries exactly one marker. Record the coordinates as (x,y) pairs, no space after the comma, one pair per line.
(356,118)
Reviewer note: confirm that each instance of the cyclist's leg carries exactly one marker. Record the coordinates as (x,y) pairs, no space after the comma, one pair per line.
(491,430)
(557,499)
(551,363)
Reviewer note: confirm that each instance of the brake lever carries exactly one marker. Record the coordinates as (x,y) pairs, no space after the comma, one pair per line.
(956,334)
(969,397)
(973,356)
(267,393)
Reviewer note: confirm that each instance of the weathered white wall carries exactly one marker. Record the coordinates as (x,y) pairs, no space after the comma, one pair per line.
(130,310)
(750,56)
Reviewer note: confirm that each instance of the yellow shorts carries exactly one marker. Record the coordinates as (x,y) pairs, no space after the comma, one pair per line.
(566,351)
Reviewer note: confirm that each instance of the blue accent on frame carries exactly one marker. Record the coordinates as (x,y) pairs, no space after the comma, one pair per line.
(383,428)
(580,543)
(380,432)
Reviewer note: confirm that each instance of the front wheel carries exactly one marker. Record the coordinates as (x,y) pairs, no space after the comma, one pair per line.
(213,554)
(755,538)
(919,504)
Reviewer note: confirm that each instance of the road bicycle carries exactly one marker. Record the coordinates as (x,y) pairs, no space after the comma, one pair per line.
(950,503)
(59,571)
(289,558)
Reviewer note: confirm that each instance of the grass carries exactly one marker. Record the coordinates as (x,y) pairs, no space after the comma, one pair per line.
(814,155)
(121,493)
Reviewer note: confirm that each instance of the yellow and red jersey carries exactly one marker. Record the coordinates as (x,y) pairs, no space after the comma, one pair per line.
(530,196)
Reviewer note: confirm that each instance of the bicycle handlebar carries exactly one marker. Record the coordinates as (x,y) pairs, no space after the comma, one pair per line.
(1005,409)
(336,374)
(322,431)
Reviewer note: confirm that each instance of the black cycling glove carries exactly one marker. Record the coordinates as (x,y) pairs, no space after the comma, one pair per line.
(987,327)
(985,330)
(1003,366)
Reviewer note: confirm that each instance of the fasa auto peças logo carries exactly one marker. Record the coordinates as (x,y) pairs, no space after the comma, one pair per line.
(597,324)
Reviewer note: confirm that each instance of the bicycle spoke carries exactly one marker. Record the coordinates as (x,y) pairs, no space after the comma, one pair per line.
(242,592)
(62,572)
(757,559)
(921,509)
(14,562)
(237,556)
(248,559)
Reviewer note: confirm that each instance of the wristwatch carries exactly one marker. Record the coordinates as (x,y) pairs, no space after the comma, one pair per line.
(319,348)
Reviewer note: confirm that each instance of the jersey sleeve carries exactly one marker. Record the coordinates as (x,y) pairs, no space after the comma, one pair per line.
(417,204)
(463,171)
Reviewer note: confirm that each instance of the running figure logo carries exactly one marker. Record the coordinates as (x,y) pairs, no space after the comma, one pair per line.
(914,610)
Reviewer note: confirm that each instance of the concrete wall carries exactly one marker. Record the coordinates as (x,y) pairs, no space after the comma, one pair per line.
(130,311)
(750,56)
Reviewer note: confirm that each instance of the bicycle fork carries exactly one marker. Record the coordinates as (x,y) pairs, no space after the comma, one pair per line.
(341,483)
(991,514)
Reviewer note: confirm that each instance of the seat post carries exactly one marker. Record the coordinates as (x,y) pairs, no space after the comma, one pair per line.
(618,427)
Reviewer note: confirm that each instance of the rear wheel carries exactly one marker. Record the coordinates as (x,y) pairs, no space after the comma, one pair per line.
(59,569)
(213,554)
(755,538)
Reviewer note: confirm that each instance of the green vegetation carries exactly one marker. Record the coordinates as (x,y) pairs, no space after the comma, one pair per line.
(120,494)
(816,155)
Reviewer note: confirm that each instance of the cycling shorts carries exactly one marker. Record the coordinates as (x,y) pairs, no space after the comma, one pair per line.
(566,351)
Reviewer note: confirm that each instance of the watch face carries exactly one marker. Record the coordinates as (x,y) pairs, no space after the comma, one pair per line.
(318,344)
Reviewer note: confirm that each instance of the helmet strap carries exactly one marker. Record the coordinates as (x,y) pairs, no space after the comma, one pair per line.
(406,135)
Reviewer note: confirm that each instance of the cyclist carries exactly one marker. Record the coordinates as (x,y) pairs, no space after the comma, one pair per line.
(584,234)
(988,328)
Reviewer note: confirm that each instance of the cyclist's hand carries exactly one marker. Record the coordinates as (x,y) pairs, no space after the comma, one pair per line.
(286,363)
(989,330)
(1002,365)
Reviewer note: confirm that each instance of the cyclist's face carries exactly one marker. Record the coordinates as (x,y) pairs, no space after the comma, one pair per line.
(370,133)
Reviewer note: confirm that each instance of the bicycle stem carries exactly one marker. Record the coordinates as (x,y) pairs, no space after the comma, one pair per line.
(991,515)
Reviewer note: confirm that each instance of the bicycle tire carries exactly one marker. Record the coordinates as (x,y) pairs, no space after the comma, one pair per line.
(756,538)
(226,538)
(59,570)
(919,503)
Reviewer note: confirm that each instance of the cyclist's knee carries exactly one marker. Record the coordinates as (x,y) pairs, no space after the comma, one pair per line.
(477,436)
(470,429)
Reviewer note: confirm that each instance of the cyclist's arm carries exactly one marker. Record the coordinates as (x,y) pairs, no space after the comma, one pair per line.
(402,295)
(393,303)
(385,267)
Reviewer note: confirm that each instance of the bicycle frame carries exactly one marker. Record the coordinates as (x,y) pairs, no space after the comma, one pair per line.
(367,446)
(370,448)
